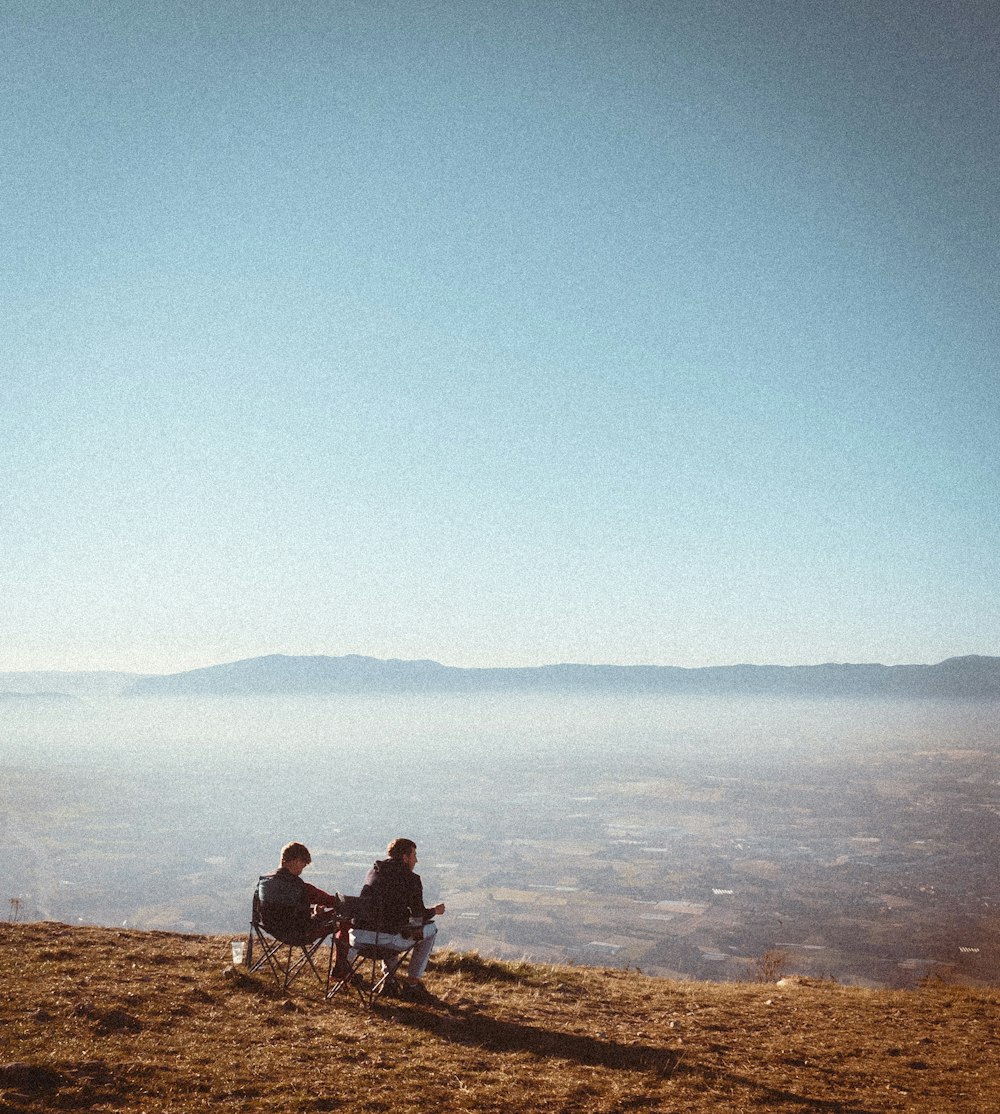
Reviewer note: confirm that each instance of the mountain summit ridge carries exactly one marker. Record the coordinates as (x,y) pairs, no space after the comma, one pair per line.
(970,676)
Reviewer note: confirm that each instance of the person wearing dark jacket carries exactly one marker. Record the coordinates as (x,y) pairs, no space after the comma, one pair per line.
(288,903)
(394,911)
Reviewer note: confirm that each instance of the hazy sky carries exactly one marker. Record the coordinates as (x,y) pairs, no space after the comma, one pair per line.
(499,333)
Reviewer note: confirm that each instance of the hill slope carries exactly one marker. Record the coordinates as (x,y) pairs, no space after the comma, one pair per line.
(132,1021)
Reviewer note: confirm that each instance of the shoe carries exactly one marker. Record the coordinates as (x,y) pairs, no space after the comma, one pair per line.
(391,989)
(417,992)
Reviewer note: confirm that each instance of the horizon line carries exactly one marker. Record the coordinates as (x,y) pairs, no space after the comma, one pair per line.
(542,665)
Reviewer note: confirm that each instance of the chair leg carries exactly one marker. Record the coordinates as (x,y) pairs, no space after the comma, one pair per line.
(306,959)
(381,982)
(349,979)
(282,960)
(268,950)
(372,988)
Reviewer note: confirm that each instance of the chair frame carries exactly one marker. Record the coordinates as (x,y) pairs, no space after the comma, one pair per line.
(280,958)
(371,988)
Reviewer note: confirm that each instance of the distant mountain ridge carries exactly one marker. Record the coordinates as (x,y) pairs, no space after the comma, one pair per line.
(38,699)
(972,677)
(97,685)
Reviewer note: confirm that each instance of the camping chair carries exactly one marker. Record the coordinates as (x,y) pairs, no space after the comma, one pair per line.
(286,949)
(368,983)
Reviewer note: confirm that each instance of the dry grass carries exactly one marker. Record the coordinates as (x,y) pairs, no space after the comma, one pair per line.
(132,1021)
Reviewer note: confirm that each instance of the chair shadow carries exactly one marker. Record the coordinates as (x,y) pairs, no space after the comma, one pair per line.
(472,1028)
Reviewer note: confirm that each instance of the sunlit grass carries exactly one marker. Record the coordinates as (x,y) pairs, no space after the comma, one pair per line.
(118,1020)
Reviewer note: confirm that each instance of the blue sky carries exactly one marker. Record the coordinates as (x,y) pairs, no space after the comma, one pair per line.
(499,333)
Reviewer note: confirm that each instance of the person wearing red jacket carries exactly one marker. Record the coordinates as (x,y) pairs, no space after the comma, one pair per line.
(291,907)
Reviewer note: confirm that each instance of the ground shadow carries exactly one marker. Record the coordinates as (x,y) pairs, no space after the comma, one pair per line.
(473,1028)
(470,1027)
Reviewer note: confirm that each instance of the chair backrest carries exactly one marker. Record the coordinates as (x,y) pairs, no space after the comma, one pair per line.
(382,909)
(353,908)
(281,888)
(286,922)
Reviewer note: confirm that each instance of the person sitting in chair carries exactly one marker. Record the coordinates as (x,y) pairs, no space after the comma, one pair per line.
(287,903)
(394,912)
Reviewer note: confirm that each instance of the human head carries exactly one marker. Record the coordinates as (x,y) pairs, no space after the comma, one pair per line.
(400,848)
(295,853)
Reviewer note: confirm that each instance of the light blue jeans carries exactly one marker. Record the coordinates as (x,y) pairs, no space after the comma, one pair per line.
(418,957)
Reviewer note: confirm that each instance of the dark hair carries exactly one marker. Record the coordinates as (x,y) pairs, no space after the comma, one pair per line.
(400,848)
(295,852)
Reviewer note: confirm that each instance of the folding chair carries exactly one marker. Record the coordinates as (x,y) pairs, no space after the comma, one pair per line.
(286,949)
(354,974)
(370,983)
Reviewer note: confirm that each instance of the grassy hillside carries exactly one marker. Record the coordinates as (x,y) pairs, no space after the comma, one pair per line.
(101,1019)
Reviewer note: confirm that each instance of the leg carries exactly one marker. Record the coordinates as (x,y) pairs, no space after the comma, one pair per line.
(422,953)
(392,946)
(323,924)
(366,937)
(342,947)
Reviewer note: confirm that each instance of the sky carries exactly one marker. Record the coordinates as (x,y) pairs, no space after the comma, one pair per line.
(499,334)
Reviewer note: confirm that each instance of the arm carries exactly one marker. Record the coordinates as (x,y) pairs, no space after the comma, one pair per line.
(320,897)
(417,907)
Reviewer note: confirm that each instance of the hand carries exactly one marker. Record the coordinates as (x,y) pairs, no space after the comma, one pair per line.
(438,909)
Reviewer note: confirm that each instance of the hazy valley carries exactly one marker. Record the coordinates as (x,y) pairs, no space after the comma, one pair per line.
(685,835)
